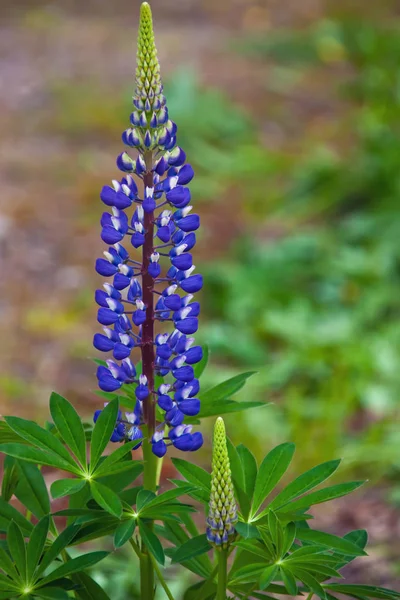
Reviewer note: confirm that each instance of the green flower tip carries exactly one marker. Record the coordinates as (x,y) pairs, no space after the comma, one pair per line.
(222,514)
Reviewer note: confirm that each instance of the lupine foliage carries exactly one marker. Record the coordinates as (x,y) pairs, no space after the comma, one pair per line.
(261,526)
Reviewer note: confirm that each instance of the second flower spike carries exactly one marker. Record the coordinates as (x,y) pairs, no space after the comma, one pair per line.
(222,514)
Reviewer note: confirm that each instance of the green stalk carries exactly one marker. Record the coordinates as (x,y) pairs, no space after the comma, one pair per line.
(222,574)
(151,477)
(152,465)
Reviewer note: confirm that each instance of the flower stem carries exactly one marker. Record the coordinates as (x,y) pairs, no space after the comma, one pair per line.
(147,348)
(151,476)
(222,574)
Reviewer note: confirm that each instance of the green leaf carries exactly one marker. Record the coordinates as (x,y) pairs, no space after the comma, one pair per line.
(224,407)
(358,537)
(248,574)
(102,432)
(226,389)
(249,468)
(39,437)
(52,593)
(124,532)
(193,547)
(363,591)
(7,565)
(73,566)
(69,426)
(272,469)
(267,576)
(200,366)
(166,497)
(105,467)
(32,490)
(16,545)
(289,535)
(326,494)
(152,542)
(144,497)
(289,580)
(10,478)
(276,531)
(330,541)
(36,544)
(88,589)
(38,457)
(57,546)
(194,474)
(7,435)
(198,493)
(106,498)
(8,513)
(310,581)
(305,482)
(246,530)
(7,584)
(66,487)
(255,547)
(119,481)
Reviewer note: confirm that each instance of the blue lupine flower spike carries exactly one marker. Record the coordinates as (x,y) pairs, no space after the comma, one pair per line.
(155,219)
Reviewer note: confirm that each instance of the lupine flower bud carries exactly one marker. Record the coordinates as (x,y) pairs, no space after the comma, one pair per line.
(222,514)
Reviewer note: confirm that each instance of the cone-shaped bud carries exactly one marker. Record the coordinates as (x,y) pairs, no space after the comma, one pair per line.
(222,514)
(148,68)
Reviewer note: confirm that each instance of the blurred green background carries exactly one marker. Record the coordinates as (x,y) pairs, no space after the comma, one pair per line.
(290,114)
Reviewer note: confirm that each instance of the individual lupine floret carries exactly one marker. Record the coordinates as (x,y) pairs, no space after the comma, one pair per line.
(160,209)
(222,514)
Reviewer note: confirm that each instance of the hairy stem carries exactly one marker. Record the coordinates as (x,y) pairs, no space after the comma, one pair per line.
(222,574)
(148,357)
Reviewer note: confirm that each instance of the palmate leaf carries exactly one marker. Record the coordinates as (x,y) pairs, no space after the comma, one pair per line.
(36,544)
(152,542)
(40,438)
(362,591)
(31,489)
(193,547)
(38,457)
(226,389)
(166,497)
(88,588)
(10,478)
(332,542)
(324,495)
(200,366)
(310,581)
(8,513)
(194,474)
(124,532)
(7,565)
(57,546)
(174,533)
(268,575)
(16,545)
(105,467)
(271,471)
(69,426)
(106,498)
(53,593)
(9,436)
(66,487)
(73,566)
(102,432)
(305,482)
